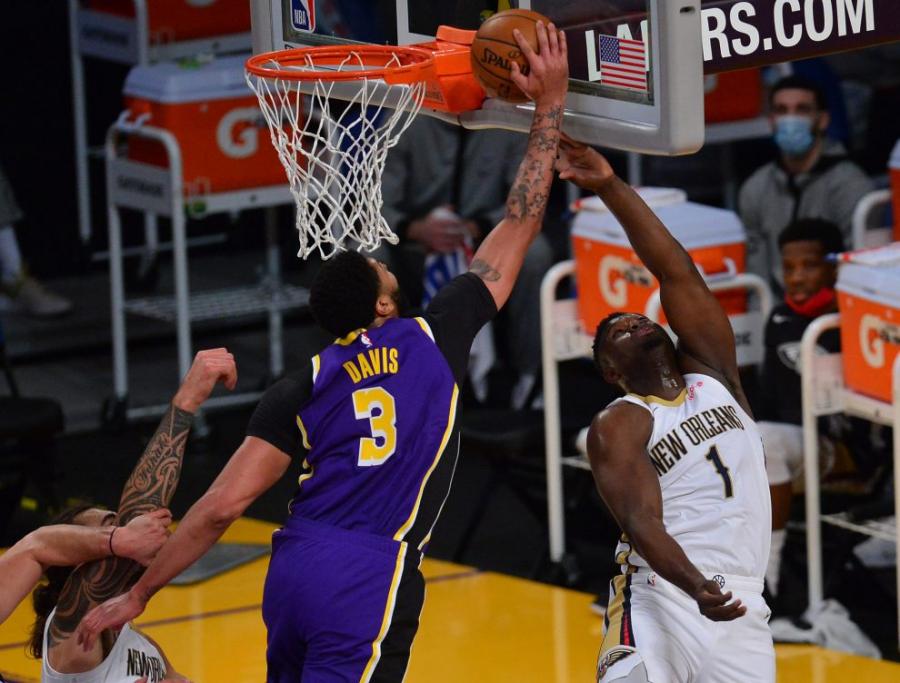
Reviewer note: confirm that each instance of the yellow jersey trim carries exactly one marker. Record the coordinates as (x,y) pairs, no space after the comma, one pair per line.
(451,419)
(316,366)
(388,615)
(426,327)
(650,398)
(349,338)
(303,434)
(306,475)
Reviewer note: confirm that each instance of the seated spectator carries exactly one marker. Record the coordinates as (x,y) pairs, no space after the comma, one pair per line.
(812,177)
(444,189)
(18,290)
(809,279)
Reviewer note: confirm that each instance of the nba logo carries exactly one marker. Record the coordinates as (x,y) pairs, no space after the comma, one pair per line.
(303,15)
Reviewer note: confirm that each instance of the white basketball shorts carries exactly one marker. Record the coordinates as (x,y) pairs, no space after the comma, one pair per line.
(653,623)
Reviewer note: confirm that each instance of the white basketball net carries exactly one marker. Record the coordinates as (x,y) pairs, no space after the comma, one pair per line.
(332,138)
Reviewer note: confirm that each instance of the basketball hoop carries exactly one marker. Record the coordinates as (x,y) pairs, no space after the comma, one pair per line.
(334,152)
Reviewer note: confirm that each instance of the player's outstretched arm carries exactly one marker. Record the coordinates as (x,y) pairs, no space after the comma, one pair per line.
(500,256)
(253,469)
(628,484)
(151,486)
(68,545)
(704,332)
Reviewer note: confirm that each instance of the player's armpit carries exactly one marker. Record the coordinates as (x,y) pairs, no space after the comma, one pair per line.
(627,482)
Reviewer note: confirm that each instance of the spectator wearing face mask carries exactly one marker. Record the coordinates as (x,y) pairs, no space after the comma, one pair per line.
(811,178)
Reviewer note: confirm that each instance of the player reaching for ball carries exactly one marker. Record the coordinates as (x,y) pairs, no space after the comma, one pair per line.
(679,462)
(378,440)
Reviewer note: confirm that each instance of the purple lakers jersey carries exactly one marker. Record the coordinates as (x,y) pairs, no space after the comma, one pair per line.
(378,429)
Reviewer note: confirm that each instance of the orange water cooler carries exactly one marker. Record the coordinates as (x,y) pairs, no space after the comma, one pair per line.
(211,111)
(733,95)
(869,302)
(175,20)
(608,273)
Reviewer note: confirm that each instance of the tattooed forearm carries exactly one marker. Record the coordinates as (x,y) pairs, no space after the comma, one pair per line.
(150,486)
(484,271)
(153,480)
(530,191)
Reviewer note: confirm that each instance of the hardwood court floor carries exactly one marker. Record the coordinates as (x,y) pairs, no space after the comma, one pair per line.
(476,626)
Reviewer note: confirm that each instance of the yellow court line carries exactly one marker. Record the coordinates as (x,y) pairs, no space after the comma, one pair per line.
(494,627)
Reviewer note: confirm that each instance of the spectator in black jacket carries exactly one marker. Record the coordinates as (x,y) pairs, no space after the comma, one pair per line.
(809,279)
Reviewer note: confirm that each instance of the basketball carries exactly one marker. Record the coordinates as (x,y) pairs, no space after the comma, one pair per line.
(494,49)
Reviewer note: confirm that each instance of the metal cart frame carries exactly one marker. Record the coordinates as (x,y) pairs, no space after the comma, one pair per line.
(824,393)
(158,191)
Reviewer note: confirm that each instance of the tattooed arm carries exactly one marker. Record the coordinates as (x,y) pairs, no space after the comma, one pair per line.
(500,256)
(68,545)
(150,486)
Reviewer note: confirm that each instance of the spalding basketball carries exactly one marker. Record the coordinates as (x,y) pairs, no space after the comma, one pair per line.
(494,49)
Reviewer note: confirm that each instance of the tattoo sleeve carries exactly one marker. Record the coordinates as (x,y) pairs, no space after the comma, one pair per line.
(150,486)
(152,482)
(528,196)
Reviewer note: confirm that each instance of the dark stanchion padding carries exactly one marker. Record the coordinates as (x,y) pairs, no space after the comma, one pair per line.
(512,443)
(28,431)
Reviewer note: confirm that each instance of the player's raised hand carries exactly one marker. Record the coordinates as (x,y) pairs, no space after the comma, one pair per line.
(583,165)
(715,605)
(142,537)
(114,613)
(210,367)
(548,68)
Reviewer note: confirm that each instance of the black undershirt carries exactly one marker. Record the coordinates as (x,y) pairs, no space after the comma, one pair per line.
(455,315)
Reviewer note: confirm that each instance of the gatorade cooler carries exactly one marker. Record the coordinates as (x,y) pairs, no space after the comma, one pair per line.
(609,275)
(214,116)
(869,302)
(895,186)
(171,20)
(733,96)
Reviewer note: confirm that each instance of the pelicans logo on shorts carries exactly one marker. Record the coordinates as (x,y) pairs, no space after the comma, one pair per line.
(612,657)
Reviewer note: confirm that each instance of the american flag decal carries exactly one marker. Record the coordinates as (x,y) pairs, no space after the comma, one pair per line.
(623,63)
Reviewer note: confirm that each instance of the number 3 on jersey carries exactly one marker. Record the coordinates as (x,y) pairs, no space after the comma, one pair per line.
(377,406)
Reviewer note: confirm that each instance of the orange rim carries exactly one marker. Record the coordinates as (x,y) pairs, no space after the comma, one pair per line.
(415,63)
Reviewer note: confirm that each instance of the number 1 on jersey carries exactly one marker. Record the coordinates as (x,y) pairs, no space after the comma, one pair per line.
(713,457)
(377,406)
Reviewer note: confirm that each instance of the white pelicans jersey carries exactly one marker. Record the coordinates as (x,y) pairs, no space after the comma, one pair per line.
(132,658)
(709,457)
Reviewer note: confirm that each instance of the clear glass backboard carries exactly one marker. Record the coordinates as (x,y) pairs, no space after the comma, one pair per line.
(636,66)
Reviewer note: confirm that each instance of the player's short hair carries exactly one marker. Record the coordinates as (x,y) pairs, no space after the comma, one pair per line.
(818,230)
(801,83)
(344,292)
(601,333)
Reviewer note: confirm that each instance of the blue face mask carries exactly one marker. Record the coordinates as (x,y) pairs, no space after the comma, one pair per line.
(794,135)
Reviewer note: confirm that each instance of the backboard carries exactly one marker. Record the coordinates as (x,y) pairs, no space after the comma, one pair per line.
(636,66)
